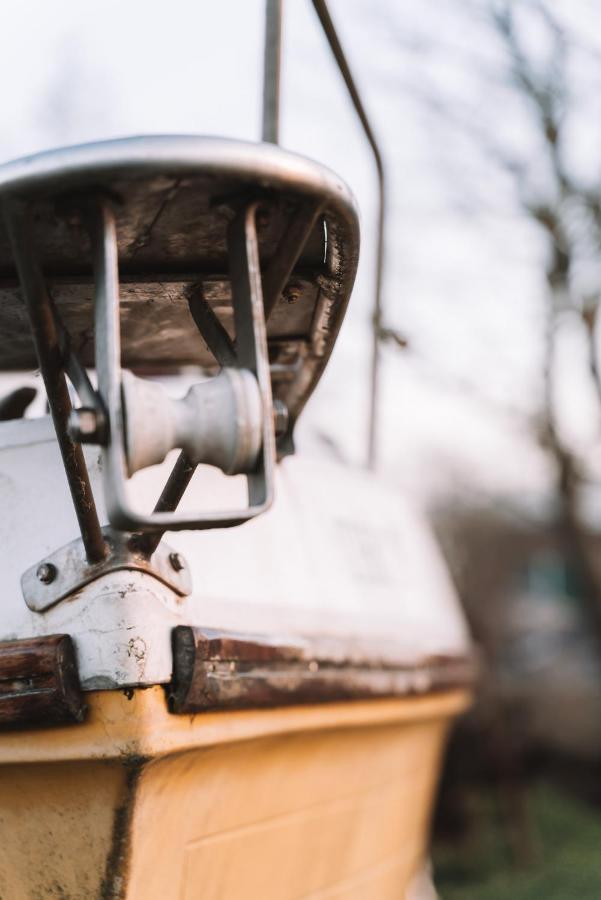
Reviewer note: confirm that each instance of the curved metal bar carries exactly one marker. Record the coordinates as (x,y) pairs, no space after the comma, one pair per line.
(327,24)
(251,354)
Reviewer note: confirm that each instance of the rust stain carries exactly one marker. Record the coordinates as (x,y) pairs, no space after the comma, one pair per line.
(114,883)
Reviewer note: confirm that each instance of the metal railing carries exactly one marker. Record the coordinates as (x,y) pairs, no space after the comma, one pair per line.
(271,117)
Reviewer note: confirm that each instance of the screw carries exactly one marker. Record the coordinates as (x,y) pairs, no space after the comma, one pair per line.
(177,563)
(83,425)
(291,293)
(46,573)
(280,417)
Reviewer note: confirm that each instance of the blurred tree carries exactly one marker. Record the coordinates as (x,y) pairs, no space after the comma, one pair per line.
(568,211)
(515,87)
(521,88)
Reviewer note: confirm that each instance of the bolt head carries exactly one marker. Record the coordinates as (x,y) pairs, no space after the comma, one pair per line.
(46,573)
(83,425)
(292,294)
(176,561)
(280,417)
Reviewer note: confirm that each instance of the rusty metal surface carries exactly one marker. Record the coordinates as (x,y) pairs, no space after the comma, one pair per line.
(176,197)
(48,353)
(221,670)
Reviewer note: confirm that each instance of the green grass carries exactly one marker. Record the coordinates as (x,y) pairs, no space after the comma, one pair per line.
(565,863)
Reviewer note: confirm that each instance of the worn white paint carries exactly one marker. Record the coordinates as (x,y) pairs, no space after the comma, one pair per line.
(340,554)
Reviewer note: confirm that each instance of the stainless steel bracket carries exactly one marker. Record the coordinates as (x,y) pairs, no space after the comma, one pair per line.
(67,570)
(96,205)
(251,355)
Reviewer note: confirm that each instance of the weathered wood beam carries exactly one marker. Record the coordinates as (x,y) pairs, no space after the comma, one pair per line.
(39,682)
(223,670)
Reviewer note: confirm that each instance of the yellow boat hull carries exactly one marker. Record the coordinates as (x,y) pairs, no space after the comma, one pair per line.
(319,801)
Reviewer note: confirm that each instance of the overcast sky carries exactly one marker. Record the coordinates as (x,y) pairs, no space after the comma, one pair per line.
(465,288)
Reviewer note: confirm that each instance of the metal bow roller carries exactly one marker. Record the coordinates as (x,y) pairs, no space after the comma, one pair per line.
(151,255)
(158,254)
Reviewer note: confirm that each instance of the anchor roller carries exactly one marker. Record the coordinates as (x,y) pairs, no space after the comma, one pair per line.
(218,422)
(154,255)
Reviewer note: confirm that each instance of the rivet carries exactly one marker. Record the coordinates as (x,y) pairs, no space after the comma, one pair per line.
(176,561)
(46,573)
(280,417)
(291,294)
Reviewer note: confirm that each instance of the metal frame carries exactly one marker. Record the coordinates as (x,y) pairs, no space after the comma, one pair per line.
(55,358)
(271,71)
(271,128)
(251,353)
(82,177)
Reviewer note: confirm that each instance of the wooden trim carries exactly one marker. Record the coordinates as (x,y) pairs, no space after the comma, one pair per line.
(222,670)
(39,682)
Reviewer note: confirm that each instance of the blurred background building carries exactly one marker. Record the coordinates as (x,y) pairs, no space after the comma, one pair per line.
(489,115)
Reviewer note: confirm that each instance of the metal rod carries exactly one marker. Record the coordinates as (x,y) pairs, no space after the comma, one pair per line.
(213,333)
(47,345)
(330,32)
(271,71)
(107,326)
(172,493)
(178,481)
(251,338)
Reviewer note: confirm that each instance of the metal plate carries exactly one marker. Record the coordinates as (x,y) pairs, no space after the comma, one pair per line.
(175,197)
(66,571)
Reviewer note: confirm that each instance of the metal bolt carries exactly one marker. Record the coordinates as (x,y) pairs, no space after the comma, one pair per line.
(83,425)
(291,293)
(46,573)
(280,417)
(176,561)
(262,218)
